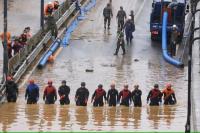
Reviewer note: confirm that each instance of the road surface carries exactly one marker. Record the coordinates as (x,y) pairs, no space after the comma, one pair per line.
(92,47)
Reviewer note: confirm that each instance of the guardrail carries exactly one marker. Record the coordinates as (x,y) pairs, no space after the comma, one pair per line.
(16,61)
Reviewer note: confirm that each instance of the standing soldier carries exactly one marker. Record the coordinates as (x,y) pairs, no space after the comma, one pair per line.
(121,16)
(82,95)
(125,96)
(112,96)
(155,96)
(97,97)
(32,93)
(129,28)
(63,92)
(107,13)
(11,90)
(51,24)
(136,96)
(169,95)
(50,95)
(120,43)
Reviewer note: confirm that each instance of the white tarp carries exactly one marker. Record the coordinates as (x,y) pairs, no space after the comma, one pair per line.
(179,1)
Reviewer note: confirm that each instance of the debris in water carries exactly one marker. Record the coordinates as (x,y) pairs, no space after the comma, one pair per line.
(89,70)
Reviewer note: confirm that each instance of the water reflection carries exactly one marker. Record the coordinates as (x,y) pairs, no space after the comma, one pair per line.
(154,113)
(98,116)
(49,114)
(169,112)
(82,118)
(125,113)
(137,112)
(32,115)
(8,116)
(111,116)
(64,117)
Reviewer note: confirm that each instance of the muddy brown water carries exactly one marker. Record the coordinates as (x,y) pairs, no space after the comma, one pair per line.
(92,48)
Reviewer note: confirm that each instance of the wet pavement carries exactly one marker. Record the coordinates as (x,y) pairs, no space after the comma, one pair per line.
(92,47)
(21,13)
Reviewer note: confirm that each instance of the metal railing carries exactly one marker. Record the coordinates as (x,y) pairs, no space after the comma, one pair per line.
(16,61)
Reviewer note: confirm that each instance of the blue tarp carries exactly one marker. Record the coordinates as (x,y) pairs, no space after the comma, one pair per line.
(164,44)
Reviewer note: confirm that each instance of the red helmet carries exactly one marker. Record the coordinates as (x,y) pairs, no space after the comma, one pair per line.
(9,78)
(31,81)
(50,82)
(168,85)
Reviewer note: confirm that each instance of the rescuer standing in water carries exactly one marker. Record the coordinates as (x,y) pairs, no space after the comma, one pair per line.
(50,95)
(32,93)
(169,95)
(155,96)
(82,95)
(112,96)
(125,96)
(136,96)
(97,97)
(63,92)
(11,90)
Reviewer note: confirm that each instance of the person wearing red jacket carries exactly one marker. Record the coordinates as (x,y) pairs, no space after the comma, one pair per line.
(97,97)
(125,96)
(50,95)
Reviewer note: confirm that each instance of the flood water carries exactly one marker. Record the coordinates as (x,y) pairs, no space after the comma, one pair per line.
(92,48)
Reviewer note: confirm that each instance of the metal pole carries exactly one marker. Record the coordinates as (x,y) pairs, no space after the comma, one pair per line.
(42,15)
(5,55)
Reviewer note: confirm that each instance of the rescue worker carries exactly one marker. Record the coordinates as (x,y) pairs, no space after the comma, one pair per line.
(23,39)
(120,43)
(9,48)
(154,96)
(136,96)
(107,13)
(125,96)
(50,95)
(56,5)
(97,97)
(63,92)
(169,95)
(16,46)
(174,39)
(129,28)
(11,90)
(82,95)
(121,16)
(32,93)
(27,31)
(49,8)
(51,24)
(112,96)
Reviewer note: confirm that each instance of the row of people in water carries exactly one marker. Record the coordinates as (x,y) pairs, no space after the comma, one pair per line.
(99,98)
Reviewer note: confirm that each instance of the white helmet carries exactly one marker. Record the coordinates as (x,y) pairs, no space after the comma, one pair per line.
(174,26)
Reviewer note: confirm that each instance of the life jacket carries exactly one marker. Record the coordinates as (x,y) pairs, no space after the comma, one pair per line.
(125,94)
(50,90)
(167,93)
(154,93)
(99,93)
